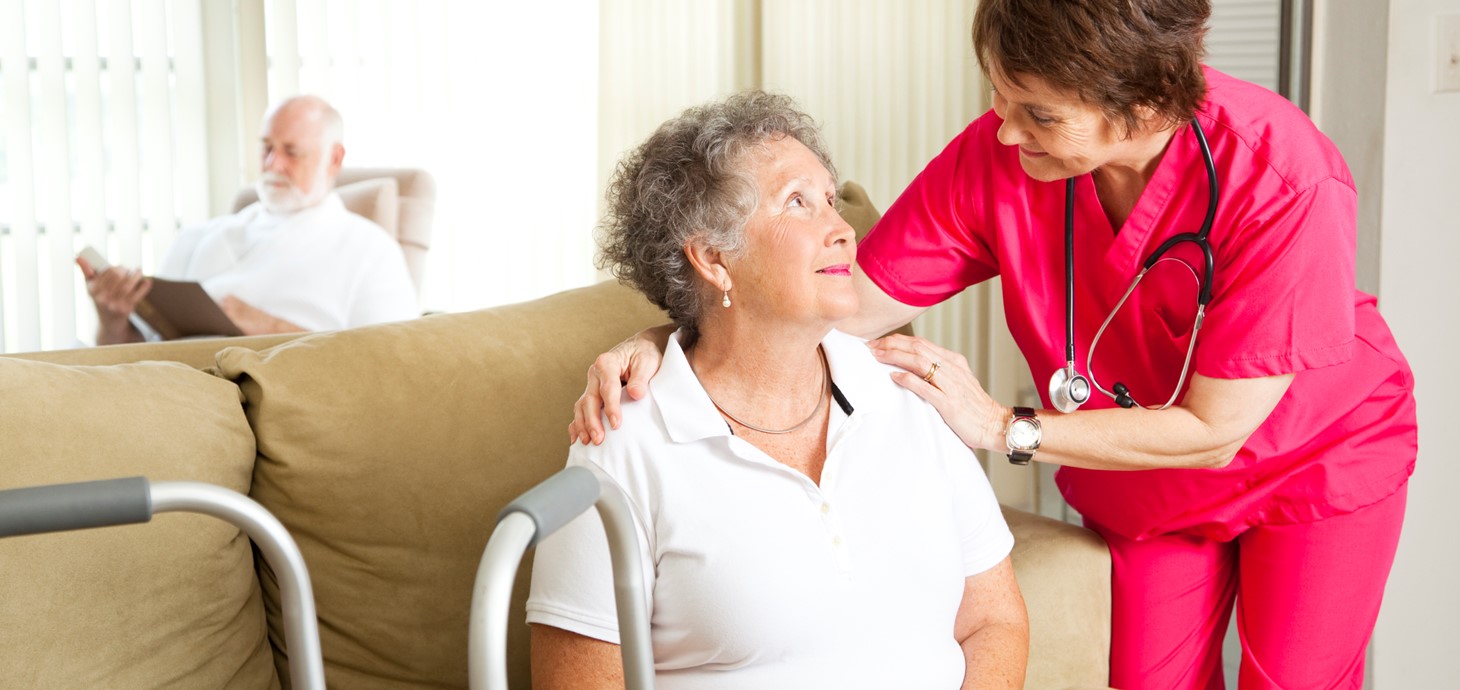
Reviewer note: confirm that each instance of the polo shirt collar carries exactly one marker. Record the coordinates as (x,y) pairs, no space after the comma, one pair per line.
(689,415)
(865,382)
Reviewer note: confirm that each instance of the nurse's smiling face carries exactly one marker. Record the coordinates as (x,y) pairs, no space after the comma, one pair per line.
(1058,134)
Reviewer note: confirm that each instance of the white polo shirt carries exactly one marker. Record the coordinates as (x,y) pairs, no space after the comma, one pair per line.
(761,578)
(321,268)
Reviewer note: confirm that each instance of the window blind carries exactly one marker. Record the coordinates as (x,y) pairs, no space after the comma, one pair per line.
(1245,40)
(103,144)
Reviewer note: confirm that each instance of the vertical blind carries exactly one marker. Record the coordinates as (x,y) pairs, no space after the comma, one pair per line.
(102,145)
(1244,39)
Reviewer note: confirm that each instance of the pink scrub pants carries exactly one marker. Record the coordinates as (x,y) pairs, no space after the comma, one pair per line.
(1307,597)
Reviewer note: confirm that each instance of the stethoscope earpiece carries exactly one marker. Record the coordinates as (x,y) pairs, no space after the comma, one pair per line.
(1122,396)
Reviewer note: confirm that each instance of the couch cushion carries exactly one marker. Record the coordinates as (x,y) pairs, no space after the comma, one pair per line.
(387,451)
(170,604)
(1064,573)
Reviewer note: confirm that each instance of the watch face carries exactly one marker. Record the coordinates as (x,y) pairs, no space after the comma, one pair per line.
(1024,434)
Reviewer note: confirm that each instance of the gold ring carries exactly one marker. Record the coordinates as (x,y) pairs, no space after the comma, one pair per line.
(932,370)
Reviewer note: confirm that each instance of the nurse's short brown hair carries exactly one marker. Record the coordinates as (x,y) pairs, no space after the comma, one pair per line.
(1116,54)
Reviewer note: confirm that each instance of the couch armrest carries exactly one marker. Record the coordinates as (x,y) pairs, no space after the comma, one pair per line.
(1064,573)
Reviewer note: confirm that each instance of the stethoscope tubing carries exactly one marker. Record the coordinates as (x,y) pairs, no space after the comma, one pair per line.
(1070,271)
(1204,281)
(1198,238)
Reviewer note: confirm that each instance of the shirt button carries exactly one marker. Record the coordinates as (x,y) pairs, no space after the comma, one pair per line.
(825,508)
(836,541)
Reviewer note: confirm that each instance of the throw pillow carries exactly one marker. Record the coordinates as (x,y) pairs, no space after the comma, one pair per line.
(174,603)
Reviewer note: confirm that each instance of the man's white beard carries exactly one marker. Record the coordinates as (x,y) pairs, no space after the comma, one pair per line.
(288,198)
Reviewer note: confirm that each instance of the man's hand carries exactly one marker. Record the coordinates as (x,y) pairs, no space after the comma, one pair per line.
(116,292)
(630,365)
(254,321)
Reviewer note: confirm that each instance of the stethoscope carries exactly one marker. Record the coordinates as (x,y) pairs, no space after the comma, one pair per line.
(1069,390)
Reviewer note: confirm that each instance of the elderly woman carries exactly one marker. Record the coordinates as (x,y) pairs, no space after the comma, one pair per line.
(1264,463)
(807,522)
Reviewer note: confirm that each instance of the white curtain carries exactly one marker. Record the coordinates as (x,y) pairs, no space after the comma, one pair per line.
(497,100)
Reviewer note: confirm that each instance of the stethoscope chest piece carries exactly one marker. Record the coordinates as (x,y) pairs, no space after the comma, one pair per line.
(1068,390)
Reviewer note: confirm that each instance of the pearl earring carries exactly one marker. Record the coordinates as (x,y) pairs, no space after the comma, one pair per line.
(726,301)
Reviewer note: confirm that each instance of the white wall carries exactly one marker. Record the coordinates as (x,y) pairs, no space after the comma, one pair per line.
(1350,66)
(1417,642)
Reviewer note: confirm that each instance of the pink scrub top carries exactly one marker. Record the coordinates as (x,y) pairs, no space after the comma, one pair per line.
(1343,436)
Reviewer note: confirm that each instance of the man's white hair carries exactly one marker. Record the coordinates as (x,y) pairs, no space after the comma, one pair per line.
(333,131)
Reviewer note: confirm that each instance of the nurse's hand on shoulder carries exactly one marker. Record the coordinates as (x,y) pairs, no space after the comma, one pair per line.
(942,377)
(627,367)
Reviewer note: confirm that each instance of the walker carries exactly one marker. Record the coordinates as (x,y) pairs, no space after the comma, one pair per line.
(65,507)
(524,523)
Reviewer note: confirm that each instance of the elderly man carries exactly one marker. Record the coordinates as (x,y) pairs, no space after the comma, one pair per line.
(295,261)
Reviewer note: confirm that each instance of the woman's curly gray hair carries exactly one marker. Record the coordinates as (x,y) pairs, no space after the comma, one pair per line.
(688,184)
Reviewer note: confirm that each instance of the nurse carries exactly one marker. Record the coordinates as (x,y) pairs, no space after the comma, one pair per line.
(1275,480)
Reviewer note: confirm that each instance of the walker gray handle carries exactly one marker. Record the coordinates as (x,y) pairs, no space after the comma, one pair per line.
(529,519)
(82,505)
(556,501)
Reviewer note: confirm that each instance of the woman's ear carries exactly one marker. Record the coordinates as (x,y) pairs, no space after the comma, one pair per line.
(709,263)
(1147,120)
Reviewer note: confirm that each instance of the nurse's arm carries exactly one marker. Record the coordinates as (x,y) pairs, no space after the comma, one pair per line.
(1212,423)
(878,313)
(992,627)
(563,660)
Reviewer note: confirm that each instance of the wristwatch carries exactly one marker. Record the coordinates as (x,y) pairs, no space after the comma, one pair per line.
(1023,435)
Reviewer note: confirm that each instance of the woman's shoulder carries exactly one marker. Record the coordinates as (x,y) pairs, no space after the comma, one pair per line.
(633,457)
(640,437)
(867,383)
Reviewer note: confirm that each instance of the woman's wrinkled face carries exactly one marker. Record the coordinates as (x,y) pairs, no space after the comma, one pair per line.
(1058,134)
(799,254)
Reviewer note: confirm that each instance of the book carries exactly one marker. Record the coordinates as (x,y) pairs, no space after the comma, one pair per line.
(182,309)
(176,308)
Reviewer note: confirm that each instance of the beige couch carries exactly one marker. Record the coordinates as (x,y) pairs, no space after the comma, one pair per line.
(387,452)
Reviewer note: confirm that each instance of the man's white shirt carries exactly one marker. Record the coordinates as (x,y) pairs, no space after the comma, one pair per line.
(320,268)
(760,577)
